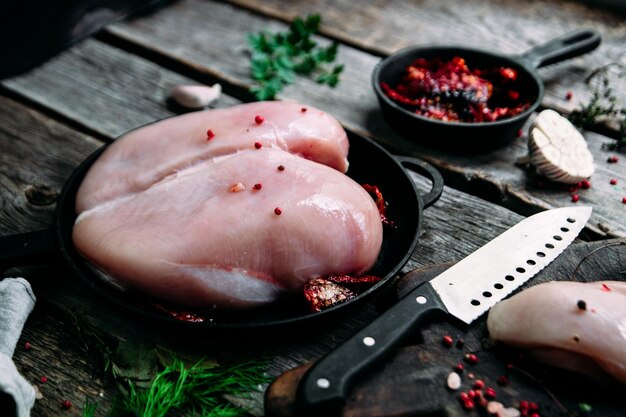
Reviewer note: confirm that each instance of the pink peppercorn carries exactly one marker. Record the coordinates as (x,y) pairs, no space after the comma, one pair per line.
(613,181)
(575,198)
(258,119)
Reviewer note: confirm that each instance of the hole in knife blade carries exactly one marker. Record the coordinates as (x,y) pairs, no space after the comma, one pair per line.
(571,220)
(486,294)
(531,262)
(475,302)
(520,270)
(557,237)
(564,229)
(498,286)
(541,254)
(549,246)
(509,278)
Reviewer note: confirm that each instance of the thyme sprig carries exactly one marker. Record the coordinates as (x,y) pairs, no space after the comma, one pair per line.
(278,57)
(603,105)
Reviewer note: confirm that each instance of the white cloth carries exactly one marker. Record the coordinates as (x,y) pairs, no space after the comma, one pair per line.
(16,302)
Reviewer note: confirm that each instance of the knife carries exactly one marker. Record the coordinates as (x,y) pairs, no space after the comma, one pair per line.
(465,291)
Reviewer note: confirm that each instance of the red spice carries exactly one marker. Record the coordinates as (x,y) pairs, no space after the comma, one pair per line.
(66,405)
(258,119)
(460,343)
(503,380)
(209,134)
(569,95)
(303,110)
(377,195)
(346,279)
(28,346)
(612,159)
(585,184)
(257,186)
(459,368)
(468,405)
(464,396)
(280,167)
(490,393)
(258,145)
(180,315)
(613,181)
(523,405)
(535,415)
(623,200)
(278,211)
(473,394)
(447,341)
(575,198)
(520,133)
(533,406)
(43,379)
(450,91)
(479,384)
(470,358)
(606,287)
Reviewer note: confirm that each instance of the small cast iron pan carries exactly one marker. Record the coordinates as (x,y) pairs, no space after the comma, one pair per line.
(463,136)
(369,163)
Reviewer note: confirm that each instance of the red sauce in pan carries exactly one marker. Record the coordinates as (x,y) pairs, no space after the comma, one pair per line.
(451,91)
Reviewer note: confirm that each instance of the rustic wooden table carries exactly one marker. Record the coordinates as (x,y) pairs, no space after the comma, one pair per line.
(55,115)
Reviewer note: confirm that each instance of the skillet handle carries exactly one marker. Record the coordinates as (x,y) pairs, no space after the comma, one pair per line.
(28,249)
(564,47)
(429,171)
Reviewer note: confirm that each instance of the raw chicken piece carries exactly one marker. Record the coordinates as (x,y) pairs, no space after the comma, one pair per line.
(577,326)
(145,156)
(193,239)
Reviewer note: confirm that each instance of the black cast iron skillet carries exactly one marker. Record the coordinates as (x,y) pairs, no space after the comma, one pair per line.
(463,136)
(369,163)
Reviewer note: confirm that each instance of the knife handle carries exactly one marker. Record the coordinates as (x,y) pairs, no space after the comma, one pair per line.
(324,387)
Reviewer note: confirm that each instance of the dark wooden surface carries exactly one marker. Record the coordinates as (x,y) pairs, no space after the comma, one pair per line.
(55,115)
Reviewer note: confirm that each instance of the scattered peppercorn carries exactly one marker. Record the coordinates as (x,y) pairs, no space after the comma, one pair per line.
(576,338)
(258,145)
(209,134)
(520,133)
(278,211)
(468,405)
(470,375)
(585,184)
(447,340)
(479,384)
(575,198)
(613,181)
(43,379)
(459,368)
(280,167)
(257,186)
(533,406)
(623,200)
(463,396)
(606,287)
(303,110)
(471,358)
(28,346)
(612,159)
(258,119)
(490,393)
(569,95)
(502,380)
(581,305)
(460,343)
(66,405)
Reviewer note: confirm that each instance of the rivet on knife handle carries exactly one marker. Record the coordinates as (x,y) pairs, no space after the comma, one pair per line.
(325,386)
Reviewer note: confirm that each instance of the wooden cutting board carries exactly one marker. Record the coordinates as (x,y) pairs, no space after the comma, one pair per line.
(412,382)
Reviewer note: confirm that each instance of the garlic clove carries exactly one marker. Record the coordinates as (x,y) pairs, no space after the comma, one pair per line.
(558,150)
(195,96)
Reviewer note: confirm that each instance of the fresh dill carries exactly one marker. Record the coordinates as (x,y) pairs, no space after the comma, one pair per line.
(278,57)
(603,105)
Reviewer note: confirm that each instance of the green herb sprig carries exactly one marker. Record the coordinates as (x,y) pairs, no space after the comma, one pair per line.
(602,106)
(278,57)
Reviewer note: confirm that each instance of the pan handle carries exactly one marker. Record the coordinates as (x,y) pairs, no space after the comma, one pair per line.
(28,249)
(564,47)
(429,171)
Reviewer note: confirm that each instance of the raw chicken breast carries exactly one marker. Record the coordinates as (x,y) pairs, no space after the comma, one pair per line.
(145,156)
(577,326)
(206,236)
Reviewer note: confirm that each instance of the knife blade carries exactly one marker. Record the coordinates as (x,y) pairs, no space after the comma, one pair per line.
(465,291)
